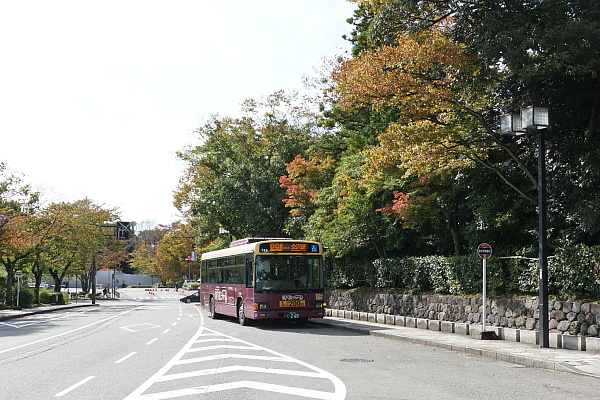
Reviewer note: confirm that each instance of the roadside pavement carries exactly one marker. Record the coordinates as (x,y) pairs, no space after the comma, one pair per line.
(529,355)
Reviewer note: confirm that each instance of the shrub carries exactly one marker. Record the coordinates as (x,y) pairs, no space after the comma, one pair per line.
(52,297)
(574,272)
(26,297)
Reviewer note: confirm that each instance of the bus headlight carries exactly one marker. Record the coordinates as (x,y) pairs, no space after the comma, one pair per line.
(261,306)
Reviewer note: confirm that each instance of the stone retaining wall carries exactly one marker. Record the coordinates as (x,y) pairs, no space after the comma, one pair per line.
(572,318)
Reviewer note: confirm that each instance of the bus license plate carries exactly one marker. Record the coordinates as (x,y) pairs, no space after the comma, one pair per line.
(291,314)
(292,303)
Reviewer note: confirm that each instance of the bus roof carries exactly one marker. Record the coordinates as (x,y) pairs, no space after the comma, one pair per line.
(246,248)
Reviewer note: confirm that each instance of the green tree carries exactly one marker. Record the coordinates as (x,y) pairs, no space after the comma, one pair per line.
(541,52)
(77,236)
(233,178)
(20,236)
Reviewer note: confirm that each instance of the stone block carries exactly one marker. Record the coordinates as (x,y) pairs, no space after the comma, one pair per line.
(434,325)
(389,319)
(447,326)
(411,322)
(592,344)
(462,328)
(573,342)
(511,334)
(371,317)
(329,312)
(380,318)
(356,315)
(555,340)
(400,320)
(527,336)
(422,323)
(363,316)
(491,332)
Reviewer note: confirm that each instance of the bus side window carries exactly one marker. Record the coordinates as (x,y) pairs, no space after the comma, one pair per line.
(248,274)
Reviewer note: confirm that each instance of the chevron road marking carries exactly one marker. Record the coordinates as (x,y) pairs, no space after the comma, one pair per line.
(206,340)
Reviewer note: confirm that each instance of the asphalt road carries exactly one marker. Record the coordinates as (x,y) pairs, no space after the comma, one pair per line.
(155,347)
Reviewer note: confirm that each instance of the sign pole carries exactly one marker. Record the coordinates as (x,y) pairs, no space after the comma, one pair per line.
(485,251)
(484,293)
(19,274)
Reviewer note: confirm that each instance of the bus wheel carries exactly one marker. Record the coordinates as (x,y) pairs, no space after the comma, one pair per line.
(211,307)
(241,315)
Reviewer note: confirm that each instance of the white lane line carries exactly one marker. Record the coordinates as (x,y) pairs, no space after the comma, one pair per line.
(174,323)
(68,332)
(238,368)
(39,319)
(166,330)
(161,372)
(152,341)
(294,391)
(75,386)
(226,356)
(119,361)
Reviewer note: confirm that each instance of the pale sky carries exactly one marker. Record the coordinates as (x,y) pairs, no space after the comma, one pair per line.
(97,96)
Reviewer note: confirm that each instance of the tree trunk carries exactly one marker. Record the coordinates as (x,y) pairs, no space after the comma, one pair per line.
(594,115)
(452,225)
(10,268)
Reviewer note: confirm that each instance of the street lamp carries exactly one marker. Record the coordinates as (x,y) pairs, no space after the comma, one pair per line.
(518,123)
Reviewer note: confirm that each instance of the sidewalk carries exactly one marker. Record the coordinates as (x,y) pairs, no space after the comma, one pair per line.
(529,355)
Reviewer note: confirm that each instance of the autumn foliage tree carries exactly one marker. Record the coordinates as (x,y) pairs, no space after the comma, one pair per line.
(232,181)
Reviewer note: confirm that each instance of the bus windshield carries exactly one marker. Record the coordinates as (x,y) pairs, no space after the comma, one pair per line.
(288,273)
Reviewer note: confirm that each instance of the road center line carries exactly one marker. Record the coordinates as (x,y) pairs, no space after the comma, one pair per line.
(119,361)
(75,386)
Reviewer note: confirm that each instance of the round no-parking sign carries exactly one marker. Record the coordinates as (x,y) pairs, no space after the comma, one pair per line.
(484,250)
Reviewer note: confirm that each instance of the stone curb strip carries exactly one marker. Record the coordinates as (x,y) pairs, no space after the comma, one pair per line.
(525,354)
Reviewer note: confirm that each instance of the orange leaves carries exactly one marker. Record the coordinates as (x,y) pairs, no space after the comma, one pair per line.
(302,182)
(417,149)
(399,205)
(415,76)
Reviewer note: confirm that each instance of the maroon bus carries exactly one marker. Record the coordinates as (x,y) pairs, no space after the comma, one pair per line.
(261,278)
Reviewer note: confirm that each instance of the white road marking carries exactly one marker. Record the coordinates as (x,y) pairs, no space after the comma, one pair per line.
(75,386)
(140,327)
(120,360)
(39,319)
(206,336)
(152,341)
(166,330)
(68,332)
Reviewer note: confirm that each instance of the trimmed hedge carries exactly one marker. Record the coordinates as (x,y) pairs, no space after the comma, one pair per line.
(52,297)
(573,273)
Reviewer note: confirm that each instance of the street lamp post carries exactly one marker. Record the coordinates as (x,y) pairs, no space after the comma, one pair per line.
(536,118)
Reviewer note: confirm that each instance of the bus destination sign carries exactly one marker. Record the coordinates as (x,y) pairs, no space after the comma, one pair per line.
(289,247)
